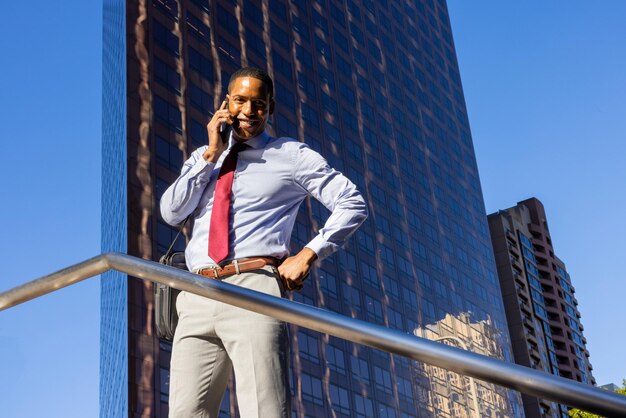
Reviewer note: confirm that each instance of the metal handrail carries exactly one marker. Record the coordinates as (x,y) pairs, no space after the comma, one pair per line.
(524,379)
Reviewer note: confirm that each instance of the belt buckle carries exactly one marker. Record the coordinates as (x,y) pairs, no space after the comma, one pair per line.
(213,269)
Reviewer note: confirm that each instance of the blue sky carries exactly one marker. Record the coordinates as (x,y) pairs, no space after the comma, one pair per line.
(545,92)
(544,85)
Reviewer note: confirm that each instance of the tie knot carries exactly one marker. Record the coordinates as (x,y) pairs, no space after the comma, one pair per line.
(238,147)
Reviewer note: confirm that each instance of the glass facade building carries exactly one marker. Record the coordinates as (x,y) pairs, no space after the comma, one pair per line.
(374,86)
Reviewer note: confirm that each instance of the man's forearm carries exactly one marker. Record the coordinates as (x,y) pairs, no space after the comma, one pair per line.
(345,219)
(183,196)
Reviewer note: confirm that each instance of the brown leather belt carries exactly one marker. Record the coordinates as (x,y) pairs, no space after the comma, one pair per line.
(238,266)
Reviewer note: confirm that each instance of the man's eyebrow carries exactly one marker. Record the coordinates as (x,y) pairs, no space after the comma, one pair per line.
(240,96)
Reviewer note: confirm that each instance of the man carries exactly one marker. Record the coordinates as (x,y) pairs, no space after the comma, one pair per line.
(244,190)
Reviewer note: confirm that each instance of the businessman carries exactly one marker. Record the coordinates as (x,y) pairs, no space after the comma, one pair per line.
(243,190)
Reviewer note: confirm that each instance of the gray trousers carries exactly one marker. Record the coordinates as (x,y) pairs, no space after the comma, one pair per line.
(212,338)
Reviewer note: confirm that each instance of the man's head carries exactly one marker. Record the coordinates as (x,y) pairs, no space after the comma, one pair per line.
(250,101)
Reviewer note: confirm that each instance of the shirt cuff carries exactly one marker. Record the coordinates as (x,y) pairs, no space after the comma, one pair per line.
(321,247)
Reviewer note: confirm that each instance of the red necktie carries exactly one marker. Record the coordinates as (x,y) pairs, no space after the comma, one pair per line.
(218,229)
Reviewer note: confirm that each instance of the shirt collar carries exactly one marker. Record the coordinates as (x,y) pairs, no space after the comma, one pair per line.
(257,142)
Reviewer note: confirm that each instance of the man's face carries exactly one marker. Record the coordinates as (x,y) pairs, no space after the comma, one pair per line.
(250,104)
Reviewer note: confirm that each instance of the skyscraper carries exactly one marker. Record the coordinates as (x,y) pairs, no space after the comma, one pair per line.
(544,321)
(374,86)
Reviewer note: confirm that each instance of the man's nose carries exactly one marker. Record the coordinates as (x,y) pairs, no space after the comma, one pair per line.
(247,107)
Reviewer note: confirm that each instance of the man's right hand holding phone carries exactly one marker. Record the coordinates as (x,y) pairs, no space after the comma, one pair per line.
(218,142)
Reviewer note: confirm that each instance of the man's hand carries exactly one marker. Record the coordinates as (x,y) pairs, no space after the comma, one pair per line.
(216,144)
(294,270)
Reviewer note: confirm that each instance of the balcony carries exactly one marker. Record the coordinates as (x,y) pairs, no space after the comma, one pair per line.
(535,229)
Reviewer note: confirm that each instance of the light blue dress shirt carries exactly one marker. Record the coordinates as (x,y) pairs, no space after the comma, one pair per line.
(273,176)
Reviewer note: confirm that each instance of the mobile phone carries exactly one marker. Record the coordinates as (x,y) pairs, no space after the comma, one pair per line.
(225,128)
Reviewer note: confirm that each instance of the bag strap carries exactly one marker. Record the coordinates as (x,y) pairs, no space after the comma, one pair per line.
(180,229)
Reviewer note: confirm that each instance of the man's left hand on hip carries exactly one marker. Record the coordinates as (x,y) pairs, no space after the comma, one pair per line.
(295,269)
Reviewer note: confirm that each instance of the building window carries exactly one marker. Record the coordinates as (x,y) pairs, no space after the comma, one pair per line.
(330,105)
(160,186)
(341,41)
(378,194)
(300,27)
(253,13)
(169,7)
(308,347)
(282,65)
(255,42)
(409,298)
(369,275)
(312,389)
(200,63)
(395,319)
(385,411)
(320,21)
(357,33)
(335,359)
(304,56)
(198,134)
(200,99)
(405,389)
(279,9)
(361,59)
(227,21)
(167,114)
(168,155)
(353,149)
(346,92)
(374,310)
(280,36)
(337,15)
(166,75)
(285,126)
(323,49)
(328,284)
(308,86)
(383,380)
(284,96)
(164,38)
(198,29)
(364,407)
(228,51)
(327,77)
(332,133)
(351,297)
(391,288)
(339,400)
(360,369)
(310,116)
(386,254)
(366,242)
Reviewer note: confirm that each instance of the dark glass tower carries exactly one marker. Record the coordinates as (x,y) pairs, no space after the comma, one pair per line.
(372,85)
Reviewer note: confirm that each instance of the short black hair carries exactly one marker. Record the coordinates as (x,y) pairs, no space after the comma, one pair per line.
(254,72)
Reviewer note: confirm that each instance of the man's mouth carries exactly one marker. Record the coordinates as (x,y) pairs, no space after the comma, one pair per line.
(248,123)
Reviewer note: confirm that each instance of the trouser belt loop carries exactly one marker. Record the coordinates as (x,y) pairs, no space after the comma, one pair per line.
(236,263)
